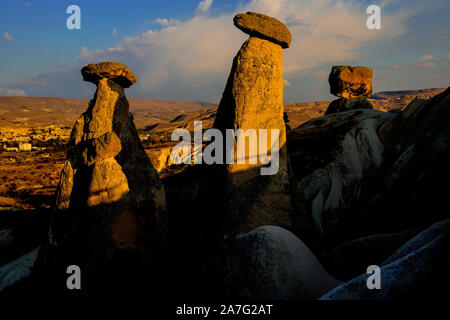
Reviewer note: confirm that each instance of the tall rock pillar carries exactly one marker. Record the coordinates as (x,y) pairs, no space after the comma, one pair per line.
(253,99)
(111,211)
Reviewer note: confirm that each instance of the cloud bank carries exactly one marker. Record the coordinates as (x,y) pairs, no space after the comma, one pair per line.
(12,92)
(191,59)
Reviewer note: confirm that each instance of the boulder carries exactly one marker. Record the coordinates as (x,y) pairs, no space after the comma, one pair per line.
(349,82)
(264,27)
(271,263)
(114,199)
(253,99)
(115,71)
(344,104)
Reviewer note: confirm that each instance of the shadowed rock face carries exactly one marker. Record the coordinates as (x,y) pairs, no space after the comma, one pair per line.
(343,104)
(253,99)
(413,270)
(109,186)
(336,159)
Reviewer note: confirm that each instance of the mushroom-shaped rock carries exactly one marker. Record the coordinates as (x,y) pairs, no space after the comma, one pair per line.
(349,82)
(111,211)
(115,71)
(265,27)
(253,102)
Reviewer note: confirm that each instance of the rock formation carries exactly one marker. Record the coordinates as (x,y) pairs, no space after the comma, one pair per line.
(264,27)
(271,263)
(17,270)
(353,85)
(253,99)
(413,270)
(113,193)
(335,159)
(347,260)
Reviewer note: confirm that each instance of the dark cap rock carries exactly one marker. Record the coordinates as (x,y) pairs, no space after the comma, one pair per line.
(115,71)
(349,82)
(265,27)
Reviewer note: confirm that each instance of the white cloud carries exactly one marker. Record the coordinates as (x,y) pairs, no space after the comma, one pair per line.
(114,32)
(426,65)
(204,6)
(269,7)
(201,49)
(322,74)
(428,57)
(166,22)
(12,92)
(198,52)
(7,36)
(27,4)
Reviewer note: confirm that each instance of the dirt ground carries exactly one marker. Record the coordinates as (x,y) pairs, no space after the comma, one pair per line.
(29,179)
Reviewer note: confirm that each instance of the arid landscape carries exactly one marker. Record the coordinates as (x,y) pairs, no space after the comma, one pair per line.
(29,177)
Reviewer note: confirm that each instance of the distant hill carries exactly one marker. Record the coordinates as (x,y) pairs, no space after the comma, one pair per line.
(301,112)
(421,93)
(166,115)
(36,111)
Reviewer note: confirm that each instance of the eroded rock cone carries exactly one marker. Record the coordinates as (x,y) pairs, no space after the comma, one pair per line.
(353,85)
(253,99)
(111,204)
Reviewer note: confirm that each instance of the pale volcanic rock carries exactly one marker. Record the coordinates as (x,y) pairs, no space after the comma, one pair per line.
(109,183)
(349,82)
(412,268)
(253,99)
(335,158)
(271,263)
(264,27)
(17,270)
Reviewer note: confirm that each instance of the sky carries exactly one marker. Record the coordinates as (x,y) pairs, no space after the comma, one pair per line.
(183,49)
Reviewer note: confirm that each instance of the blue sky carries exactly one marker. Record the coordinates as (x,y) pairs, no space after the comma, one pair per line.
(183,49)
